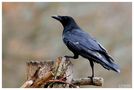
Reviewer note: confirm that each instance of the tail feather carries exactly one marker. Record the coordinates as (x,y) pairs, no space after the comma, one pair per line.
(104,59)
(107,62)
(111,66)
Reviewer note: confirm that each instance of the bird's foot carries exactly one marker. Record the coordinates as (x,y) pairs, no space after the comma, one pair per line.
(92,80)
(68,57)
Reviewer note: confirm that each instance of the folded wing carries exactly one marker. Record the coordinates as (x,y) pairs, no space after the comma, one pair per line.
(83,44)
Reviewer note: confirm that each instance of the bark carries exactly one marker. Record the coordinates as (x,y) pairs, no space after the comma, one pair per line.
(55,74)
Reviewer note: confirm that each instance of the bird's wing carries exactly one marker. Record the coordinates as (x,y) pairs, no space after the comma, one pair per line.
(78,46)
(90,49)
(80,41)
(88,41)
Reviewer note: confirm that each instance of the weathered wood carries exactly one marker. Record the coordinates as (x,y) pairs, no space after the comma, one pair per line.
(55,74)
(97,81)
(32,66)
(39,73)
(36,81)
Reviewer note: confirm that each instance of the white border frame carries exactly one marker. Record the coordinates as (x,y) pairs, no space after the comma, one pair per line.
(68,1)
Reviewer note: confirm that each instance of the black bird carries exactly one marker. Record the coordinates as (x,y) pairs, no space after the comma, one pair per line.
(81,43)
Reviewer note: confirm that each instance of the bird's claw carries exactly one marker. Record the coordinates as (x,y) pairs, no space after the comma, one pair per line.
(68,57)
(92,80)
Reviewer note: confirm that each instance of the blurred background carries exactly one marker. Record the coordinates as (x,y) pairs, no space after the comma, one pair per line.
(29,33)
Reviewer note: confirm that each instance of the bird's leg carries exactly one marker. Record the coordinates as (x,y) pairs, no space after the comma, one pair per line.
(92,67)
(74,57)
(69,56)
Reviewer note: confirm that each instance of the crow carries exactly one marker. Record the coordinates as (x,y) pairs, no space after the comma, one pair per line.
(81,43)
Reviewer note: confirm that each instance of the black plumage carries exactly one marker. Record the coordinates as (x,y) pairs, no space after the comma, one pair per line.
(81,43)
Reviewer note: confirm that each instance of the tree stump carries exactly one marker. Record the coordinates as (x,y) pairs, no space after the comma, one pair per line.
(55,74)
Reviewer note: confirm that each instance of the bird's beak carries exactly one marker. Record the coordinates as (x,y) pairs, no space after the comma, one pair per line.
(57,17)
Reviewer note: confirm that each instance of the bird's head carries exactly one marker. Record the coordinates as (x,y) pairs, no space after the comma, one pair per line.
(65,20)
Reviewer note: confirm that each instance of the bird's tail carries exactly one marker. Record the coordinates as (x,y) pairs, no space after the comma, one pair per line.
(106,61)
(110,64)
